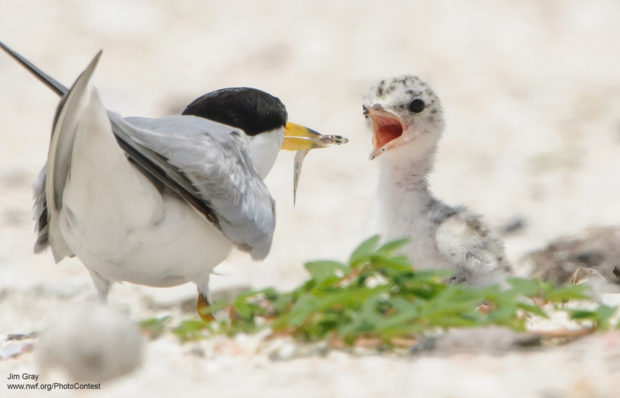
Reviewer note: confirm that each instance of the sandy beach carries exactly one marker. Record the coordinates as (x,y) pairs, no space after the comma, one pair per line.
(531,92)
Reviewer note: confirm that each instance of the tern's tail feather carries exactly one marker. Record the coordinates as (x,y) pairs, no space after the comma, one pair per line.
(49,81)
(72,112)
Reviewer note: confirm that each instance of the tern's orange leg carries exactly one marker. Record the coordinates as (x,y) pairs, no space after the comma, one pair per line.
(202,306)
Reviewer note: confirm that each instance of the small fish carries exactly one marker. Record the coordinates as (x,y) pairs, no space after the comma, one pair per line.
(299,159)
(323,141)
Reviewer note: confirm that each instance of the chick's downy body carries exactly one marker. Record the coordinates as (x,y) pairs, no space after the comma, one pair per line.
(407,120)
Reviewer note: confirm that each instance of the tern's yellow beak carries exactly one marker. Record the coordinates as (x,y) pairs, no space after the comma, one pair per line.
(300,138)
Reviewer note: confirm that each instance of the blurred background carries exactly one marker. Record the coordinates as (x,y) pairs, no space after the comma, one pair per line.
(531,91)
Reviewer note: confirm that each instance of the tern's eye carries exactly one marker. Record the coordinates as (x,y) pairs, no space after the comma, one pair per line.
(365,111)
(416,106)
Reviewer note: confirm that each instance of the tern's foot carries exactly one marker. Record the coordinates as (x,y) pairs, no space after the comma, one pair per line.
(202,306)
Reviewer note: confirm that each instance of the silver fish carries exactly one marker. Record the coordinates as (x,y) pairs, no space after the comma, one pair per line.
(301,155)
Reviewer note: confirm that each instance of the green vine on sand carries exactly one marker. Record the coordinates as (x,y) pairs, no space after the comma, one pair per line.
(379,295)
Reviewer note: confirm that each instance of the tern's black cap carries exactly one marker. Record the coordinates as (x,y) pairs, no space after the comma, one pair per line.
(254,111)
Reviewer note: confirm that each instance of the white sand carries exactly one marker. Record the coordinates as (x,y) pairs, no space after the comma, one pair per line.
(531,91)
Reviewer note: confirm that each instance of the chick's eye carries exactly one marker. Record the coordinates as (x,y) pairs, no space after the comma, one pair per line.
(416,106)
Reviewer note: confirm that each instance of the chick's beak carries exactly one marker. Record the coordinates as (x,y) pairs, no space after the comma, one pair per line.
(300,138)
(387,130)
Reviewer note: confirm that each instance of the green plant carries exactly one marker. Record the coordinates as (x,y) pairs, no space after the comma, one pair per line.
(155,327)
(378,295)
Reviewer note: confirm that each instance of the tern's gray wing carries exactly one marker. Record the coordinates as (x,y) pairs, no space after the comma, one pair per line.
(201,161)
(208,164)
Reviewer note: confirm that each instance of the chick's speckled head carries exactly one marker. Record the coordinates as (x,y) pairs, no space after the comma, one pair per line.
(403,112)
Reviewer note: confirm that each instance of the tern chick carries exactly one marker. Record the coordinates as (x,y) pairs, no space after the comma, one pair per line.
(407,121)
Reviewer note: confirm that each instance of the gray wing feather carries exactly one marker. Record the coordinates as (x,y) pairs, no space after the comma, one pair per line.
(211,162)
(39,212)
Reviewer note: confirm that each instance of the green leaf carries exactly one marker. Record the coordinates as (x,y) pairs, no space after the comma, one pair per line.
(434,275)
(582,314)
(565,293)
(533,309)
(302,309)
(244,310)
(398,264)
(325,270)
(390,247)
(364,250)
(364,320)
(604,313)
(503,313)
(526,287)
(421,288)
(600,316)
(190,329)
(155,327)
(282,302)
(352,298)
(215,307)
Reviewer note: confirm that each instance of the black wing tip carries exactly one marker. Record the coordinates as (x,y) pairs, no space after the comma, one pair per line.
(49,81)
(41,244)
(5,47)
(43,240)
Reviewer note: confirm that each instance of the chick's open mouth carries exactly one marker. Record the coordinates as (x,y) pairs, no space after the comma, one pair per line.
(386,128)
